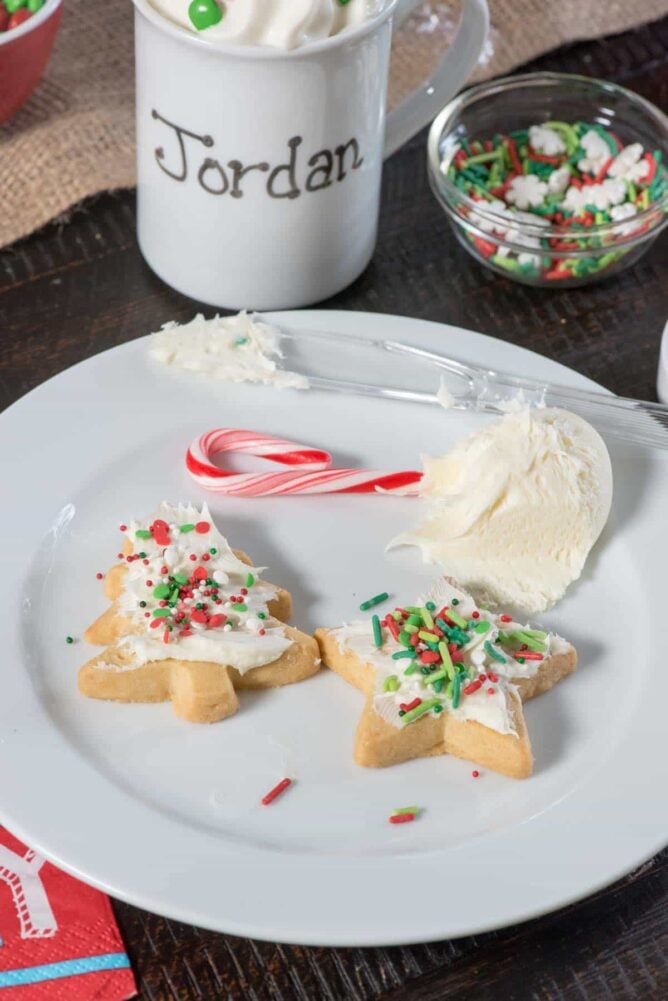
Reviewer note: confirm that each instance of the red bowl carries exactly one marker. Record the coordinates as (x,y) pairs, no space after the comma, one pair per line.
(24,52)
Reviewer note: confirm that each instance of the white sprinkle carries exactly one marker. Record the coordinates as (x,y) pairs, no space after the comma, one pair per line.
(546,140)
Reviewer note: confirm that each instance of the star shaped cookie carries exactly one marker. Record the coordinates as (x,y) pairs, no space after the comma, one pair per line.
(191,620)
(446,677)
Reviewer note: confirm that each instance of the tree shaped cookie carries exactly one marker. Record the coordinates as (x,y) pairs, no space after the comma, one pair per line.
(446,677)
(191,621)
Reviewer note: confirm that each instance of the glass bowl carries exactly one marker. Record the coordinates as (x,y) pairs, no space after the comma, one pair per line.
(531,249)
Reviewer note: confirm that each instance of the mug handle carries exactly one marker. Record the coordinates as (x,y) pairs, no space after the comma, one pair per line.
(451,73)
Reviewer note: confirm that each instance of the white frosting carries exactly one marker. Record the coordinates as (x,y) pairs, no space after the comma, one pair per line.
(280,24)
(513,510)
(236,642)
(237,348)
(490,710)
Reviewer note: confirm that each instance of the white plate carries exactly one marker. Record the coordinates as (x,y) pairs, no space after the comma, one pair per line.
(165,814)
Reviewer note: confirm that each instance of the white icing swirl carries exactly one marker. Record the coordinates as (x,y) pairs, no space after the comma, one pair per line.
(245,637)
(279,24)
(234,348)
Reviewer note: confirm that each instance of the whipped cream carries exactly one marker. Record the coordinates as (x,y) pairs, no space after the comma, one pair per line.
(279,24)
(514,510)
(203,624)
(237,348)
(490,704)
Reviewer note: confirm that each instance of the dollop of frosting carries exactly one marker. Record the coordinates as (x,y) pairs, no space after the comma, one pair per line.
(490,653)
(279,24)
(514,510)
(237,348)
(190,598)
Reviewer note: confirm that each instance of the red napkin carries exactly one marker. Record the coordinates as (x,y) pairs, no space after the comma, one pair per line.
(58,937)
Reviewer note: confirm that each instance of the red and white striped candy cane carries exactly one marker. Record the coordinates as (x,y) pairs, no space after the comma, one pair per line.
(311,471)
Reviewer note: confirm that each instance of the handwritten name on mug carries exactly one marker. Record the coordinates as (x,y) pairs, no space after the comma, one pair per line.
(326,166)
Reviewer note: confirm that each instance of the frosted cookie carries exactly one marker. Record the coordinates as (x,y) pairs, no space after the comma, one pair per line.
(191,621)
(446,677)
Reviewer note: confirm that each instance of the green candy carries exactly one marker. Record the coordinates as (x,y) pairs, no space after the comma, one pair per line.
(204,14)
(161,591)
(143,533)
(161,613)
(14,5)
(180,578)
(186,528)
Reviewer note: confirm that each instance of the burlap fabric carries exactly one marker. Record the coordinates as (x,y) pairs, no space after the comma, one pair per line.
(75,137)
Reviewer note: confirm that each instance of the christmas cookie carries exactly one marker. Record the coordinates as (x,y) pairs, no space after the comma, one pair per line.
(192,621)
(446,677)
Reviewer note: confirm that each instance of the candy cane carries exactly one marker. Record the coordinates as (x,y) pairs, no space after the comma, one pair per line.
(314,474)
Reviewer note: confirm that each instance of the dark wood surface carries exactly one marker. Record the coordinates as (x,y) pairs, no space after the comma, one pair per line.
(77,288)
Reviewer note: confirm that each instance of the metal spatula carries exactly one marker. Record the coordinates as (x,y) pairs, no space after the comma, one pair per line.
(469,387)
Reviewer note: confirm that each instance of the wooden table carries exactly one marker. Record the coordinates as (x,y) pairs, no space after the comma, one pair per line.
(77,288)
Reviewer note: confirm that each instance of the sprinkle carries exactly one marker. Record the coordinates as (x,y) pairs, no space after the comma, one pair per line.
(400,654)
(428,637)
(427,619)
(445,655)
(239,607)
(275,792)
(402,818)
(482,627)
(377,631)
(405,809)
(411,705)
(473,687)
(123,528)
(475,773)
(429,657)
(493,653)
(530,642)
(456,690)
(143,533)
(391,683)
(490,691)
(435,676)
(186,528)
(250,579)
(457,619)
(505,618)
(526,655)
(69,639)
(202,527)
(99,576)
(378,599)
(425,707)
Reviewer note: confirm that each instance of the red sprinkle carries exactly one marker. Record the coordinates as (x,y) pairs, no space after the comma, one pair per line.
(402,818)
(199,615)
(430,657)
(475,773)
(164,570)
(192,557)
(121,556)
(123,528)
(407,706)
(99,576)
(492,677)
(217,620)
(505,618)
(166,636)
(475,615)
(156,623)
(262,632)
(149,583)
(473,687)
(200,574)
(393,627)
(276,791)
(528,655)
(202,527)
(490,691)
(482,677)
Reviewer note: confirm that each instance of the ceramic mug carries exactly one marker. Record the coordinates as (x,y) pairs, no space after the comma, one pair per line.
(259,170)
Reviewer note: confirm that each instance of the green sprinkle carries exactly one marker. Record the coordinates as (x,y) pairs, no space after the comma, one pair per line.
(180,578)
(69,639)
(391,683)
(261,615)
(143,533)
(445,656)
(411,629)
(142,556)
(142,604)
(377,631)
(161,613)
(161,591)
(569,134)
(455,601)
(533,644)
(537,634)
(438,687)
(427,619)
(494,654)
(456,690)
(186,528)
(250,580)
(521,660)
(438,708)
(411,669)
(481,627)
(213,552)
(414,620)
(240,607)
(377,599)
(428,637)
(437,676)
(401,810)
(402,654)
(430,606)
(405,638)
(240,341)
(457,619)
(420,710)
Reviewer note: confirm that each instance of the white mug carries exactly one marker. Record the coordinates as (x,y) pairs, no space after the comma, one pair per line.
(259,170)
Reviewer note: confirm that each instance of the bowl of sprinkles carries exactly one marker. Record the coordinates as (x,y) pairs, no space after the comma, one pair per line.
(552,179)
(27,32)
